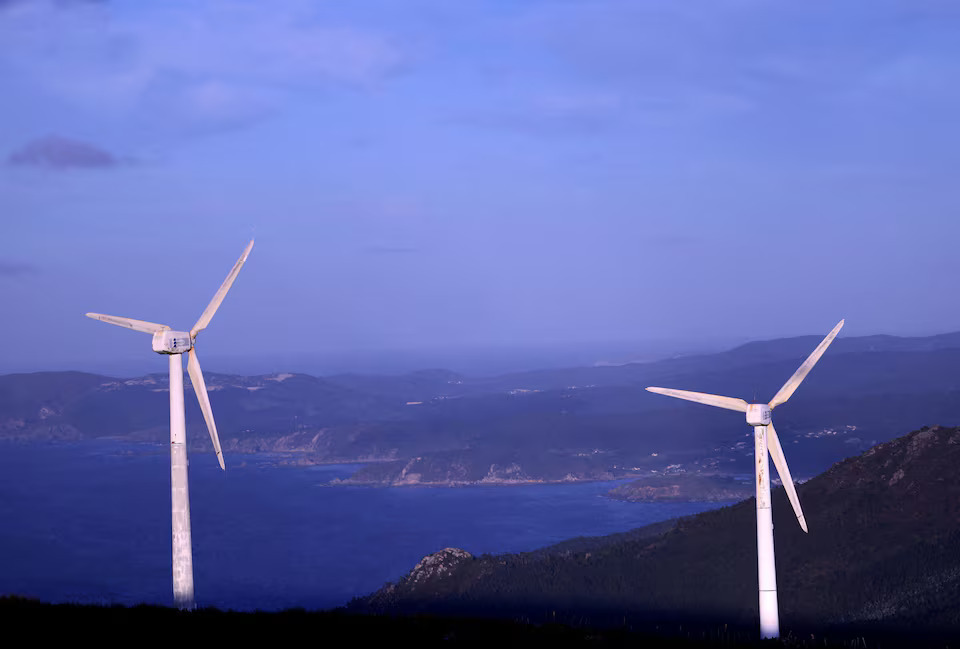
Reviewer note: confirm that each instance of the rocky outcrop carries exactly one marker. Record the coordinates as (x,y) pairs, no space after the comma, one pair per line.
(437,565)
(512,473)
(427,576)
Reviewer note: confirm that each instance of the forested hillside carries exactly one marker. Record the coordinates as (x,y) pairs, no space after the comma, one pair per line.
(883,551)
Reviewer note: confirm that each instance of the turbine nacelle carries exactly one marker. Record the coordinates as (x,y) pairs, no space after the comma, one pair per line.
(175,343)
(172,342)
(758,414)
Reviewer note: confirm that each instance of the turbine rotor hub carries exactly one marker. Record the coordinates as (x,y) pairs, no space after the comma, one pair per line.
(758,414)
(172,342)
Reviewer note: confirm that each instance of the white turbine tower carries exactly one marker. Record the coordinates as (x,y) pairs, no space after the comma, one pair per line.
(765,439)
(174,344)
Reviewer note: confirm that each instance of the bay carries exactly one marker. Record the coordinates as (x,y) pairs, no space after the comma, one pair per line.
(90,522)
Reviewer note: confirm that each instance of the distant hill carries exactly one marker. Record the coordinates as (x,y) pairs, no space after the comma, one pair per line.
(685,487)
(883,553)
(437,427)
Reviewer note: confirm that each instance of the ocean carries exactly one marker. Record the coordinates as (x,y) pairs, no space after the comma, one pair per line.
(90,522)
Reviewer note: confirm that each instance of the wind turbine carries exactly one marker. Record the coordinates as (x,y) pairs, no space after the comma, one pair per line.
(174,344)
(765,439)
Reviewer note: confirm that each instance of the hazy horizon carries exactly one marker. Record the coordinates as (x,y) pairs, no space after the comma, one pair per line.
(470,361)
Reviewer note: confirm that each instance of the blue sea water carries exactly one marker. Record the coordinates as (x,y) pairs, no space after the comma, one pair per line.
(90,523)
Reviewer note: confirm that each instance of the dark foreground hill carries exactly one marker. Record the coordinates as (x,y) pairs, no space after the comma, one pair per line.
(883,554)
(28,621)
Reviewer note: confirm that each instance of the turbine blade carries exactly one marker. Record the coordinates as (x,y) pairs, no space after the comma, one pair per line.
(776,453)
(196,378)
(794,381)
(221,293)
(130,323)
(709,399)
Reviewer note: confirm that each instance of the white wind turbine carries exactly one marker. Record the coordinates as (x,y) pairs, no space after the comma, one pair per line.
(765,439)
(175,343)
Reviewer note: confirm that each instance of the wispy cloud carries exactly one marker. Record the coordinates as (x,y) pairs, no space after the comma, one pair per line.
(552,113)
(707,58)
(9,268)
(60,3)
(390,250)
(60,153)
(217,62)
(674,240)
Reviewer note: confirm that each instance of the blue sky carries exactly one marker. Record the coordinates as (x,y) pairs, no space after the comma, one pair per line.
(433,174)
